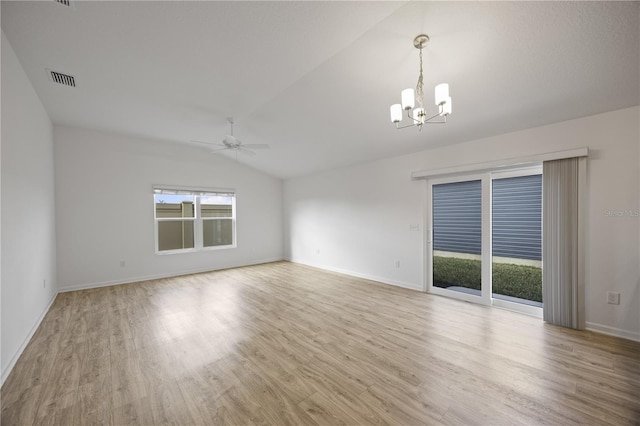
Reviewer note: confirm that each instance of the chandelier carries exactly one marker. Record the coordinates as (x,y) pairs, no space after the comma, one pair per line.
(417,115)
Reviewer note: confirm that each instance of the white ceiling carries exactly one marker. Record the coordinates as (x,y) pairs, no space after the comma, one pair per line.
(315,79)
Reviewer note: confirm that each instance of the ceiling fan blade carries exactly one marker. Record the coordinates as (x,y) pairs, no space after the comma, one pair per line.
(246,151)
(216,150)
(209,144)
(202,143)
(256,145)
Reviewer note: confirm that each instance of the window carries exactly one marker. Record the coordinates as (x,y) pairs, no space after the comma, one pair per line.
(191,220)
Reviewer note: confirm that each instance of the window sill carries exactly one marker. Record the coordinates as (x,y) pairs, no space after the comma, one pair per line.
(195,250)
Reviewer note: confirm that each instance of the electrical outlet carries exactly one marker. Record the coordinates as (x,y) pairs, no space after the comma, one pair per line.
(123,263)
(613,298)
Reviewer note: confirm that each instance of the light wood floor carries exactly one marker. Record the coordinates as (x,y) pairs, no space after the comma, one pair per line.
(287,344)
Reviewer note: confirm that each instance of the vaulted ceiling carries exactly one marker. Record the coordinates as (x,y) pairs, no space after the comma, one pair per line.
(315,80)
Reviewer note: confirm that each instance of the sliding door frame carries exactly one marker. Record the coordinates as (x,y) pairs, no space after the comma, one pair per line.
(485,182)
(505,174)
(486,178)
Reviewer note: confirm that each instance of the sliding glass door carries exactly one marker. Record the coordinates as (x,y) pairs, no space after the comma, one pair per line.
(516,239)
(485,238)
(458,229)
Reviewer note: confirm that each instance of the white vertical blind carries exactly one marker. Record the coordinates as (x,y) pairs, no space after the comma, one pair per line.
(563,259)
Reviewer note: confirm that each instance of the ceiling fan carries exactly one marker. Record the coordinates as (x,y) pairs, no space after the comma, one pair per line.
(231,143)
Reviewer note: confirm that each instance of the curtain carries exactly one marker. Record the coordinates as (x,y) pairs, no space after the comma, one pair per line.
(563,191)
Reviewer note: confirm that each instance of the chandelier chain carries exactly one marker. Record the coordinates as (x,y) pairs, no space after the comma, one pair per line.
(419,91)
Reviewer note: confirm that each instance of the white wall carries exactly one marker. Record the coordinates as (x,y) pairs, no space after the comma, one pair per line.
(358,220)
(28,208)
(101,175)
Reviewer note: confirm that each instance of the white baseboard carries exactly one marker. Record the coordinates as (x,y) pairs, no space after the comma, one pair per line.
(25,342)
(410,286)
(612,331)
(129,280)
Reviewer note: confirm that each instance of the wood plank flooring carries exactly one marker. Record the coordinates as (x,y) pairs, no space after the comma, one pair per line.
(281,343)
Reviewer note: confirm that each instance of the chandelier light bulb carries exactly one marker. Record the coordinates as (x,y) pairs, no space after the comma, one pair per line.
(442,93)
(408,99)
(446,107)
(396,113)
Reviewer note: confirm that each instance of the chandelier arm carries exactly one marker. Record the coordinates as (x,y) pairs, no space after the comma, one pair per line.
(417,123)
(406,125)
(428,120)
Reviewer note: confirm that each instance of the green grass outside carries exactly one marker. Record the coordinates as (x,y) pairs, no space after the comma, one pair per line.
(520,281)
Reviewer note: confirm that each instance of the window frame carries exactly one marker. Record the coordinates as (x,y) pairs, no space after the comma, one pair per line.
(197,219)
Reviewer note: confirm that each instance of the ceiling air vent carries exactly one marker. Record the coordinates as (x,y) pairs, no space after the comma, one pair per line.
(64,2)
(58,77)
